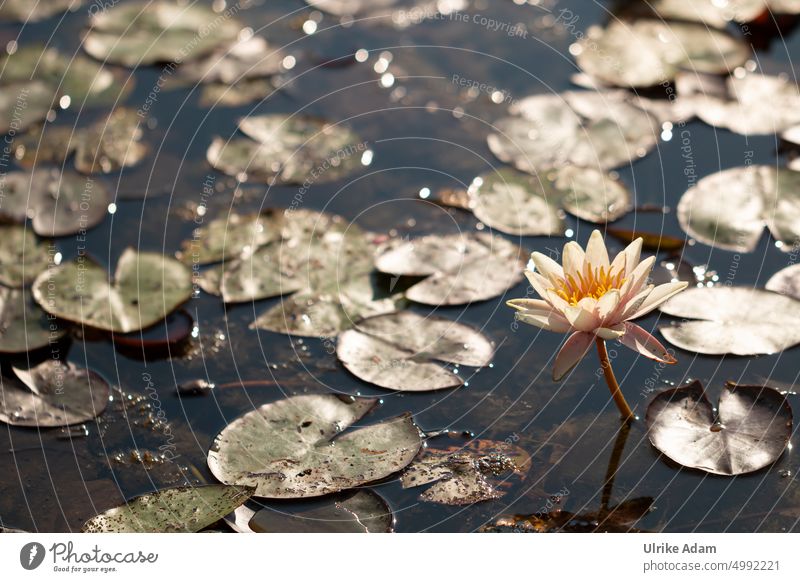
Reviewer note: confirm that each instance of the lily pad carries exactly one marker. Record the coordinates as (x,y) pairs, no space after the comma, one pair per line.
(584,129)
(24,327)
(755,197)
(53,394)
(462,475)
(22,256)
(770,323)
(111,144)
(145,289)
(252,57)
(459,269)
(46,144)
(361,512)
(720,14)
(786,282)
(748,432)
(59,204)
(159,31)
(288,149)
(176,510)
(648,52)
(293,448)
(400,351)
(28,12)
(230,237)
(241,93)
(24,104)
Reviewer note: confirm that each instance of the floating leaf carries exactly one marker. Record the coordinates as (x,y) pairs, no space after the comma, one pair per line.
(53,394)
(111,144)
(23,105)
(29,12)
(22,257)
(752,104)
(400,351)
(755,197)
(288,149)
(460,268)
(175,328)
(146,288)
(398,12)
(786,282)
(24,327)
(749,431)
(656,242)
(229,237)
(361,512)
(646,52)
(46,144)
(584,129)
(158,31)
(293,448)
(252,57)
(177,510)
(241,93)
(719,14)
(733,320)
(59,204)
(462,475)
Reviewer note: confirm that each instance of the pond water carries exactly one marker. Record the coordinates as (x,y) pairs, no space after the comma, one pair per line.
(425,131)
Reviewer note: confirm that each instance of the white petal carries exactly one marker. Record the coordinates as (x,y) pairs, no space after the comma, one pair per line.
(607,305)
(610,333)
(658,296)
(525,303)
(633,253)
(638,278)
(551,321)
(548,267)
(582,316)
(633,304)
(539,283)
(572,259)
(596,253)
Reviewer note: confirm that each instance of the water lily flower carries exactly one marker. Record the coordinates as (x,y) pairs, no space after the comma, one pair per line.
(595,298)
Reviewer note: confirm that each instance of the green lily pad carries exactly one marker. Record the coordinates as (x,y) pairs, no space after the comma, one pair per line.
(648,52)
(296,447)
(22,256)
(176,510)
(24,104)
(769,324)
(149,32)
(240,93)
(53,394)
(24,327)
(749,430)
(755,197)
(287,149)
(579,128)
(404,351)
(111,144)
(252,57)
(459,269)
(146,288)
(230,237)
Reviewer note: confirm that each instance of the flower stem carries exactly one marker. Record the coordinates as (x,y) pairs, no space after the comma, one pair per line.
(611,380)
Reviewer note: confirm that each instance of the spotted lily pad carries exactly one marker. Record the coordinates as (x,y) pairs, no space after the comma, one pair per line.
(296,447)
(648,52)
(22,257)
(584,129)
(462,475)
(749,430)
(177,510)
(24,327)
(59,204)
(288,149)
(755,197)
(361,512)
(232,236)
(28,12)
(145,289)
(24,104)
(459,269)
(786,282)
(769,324)
(146,32)
(400,351)
(53,394)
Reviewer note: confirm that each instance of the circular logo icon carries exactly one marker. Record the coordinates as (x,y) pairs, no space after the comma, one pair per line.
(31,555)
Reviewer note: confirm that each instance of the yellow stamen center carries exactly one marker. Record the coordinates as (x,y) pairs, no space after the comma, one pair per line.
(593,283)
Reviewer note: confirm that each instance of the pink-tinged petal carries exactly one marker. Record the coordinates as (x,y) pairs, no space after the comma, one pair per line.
(550,321)
(539,283)
(658,296)
(638,339)
(571,353)
(548,267)
(582,316)
(610,333)
(638,278)
(529,304)
(596,252)
(607,306)
(557,302)
(572,259)
(633,253)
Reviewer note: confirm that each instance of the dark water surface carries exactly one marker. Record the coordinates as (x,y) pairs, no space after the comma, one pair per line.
(432,137)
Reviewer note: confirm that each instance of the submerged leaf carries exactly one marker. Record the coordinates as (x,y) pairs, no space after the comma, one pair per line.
(146,288)
(754,197)
(400,351)
(22,256)
(459,269)
(177,510)
(462,475)
(293,448)
(53,394)
(733,320)
(749,431)
(24,327)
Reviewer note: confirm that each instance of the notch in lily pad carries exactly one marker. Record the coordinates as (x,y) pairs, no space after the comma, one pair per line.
(748,432)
